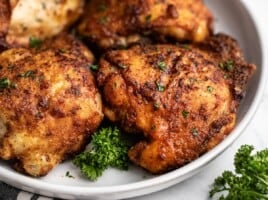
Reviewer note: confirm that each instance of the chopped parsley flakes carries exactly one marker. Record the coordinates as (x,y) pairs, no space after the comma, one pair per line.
(5,83)
(160,88)
(227,66)
(161,65)
(94,67)
(185,113)
(210,89)
(35,42)
(194,132)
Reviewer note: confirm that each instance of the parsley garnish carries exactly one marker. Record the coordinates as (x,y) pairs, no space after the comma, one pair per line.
(161,65)
(227,66)
(210,89)
(27,74)
(62,50)
(185,46)
(160,87)
(104,19)
(121,65)
(68,174)
(108,149)
(156,106)
(194,132)
(5,83)
(94,67)
(185,113)
(148,18)
(35,42)
(192,80)
(250,179)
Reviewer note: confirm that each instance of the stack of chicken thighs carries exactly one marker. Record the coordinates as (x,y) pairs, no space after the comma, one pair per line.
(163,75)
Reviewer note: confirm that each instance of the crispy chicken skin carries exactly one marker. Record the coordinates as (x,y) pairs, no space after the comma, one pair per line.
(4,17)
(49,104)
(4,22)
(112,23)
(41,19)
(183,99)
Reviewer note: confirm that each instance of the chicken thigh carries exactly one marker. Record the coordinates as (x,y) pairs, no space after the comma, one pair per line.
(4,22)
(183,99)
(40,19)
(49,104)
(113,23)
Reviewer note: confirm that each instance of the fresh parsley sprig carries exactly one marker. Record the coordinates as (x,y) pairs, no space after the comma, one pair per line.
(250,180)
(108,149)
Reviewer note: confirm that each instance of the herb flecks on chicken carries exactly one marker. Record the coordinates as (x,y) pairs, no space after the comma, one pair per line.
(49,104)
(183,109)
(115,23)
(22,19)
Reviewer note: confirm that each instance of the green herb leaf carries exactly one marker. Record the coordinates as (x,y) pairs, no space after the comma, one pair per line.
(27,74)
(210,89)
(94,67)
(148,18)
(62,50)
(156,106)
(185,113)
(162,65)
(185,46)
(227,66)
(68,174)
(250,180)
(121,65)
(35,42)
(108,149)
(160,87)
(194,132)
(4,83)
(104,20)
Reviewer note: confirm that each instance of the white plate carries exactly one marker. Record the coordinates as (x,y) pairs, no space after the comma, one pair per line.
(231,17)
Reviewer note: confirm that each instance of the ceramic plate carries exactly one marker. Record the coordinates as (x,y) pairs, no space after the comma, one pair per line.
(232,18)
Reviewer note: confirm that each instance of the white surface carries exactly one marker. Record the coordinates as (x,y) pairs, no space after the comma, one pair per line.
(198,186)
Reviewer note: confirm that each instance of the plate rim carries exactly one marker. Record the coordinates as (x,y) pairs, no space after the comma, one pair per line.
(25,182)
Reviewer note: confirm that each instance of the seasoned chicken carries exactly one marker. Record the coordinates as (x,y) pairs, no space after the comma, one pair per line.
(49,104)
(4,17)
(4,22)
(40,19)
(112,23)
(183,99)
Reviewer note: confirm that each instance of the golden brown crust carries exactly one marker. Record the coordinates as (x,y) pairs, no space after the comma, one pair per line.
(22,19)
(179,97)
(4,17)
(67,45)
(4,22)
(112,23)
(49,107)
